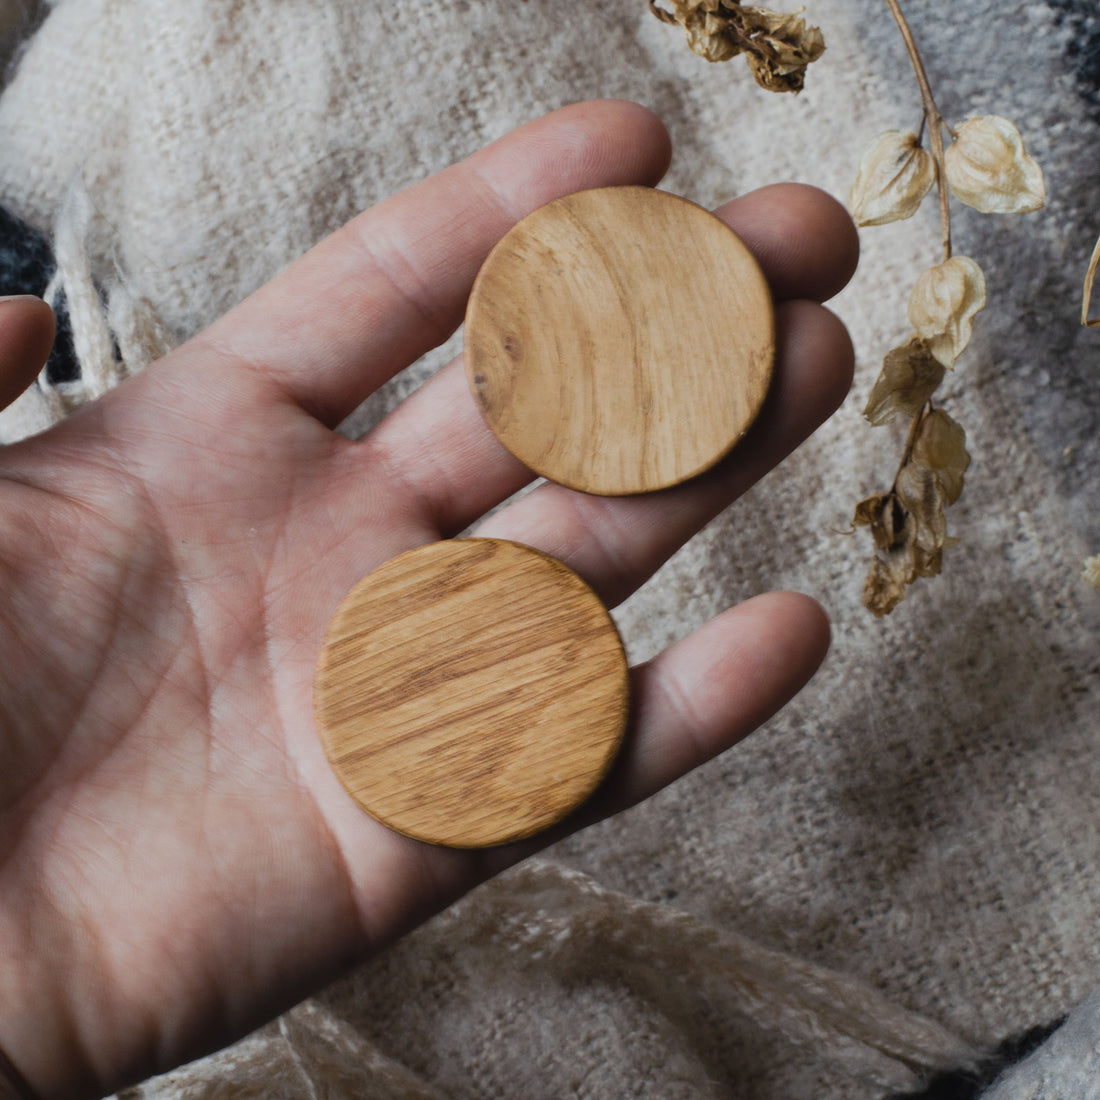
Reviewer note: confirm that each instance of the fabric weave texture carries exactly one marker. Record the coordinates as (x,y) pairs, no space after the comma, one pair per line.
(900,870)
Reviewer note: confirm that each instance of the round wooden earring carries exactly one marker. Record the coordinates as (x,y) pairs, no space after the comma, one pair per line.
(620,340)
(471,693)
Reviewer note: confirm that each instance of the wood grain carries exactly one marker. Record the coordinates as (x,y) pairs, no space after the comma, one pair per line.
(620,340)
(471,693)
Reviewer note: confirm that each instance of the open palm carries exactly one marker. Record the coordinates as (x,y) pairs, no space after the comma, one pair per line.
(177,861)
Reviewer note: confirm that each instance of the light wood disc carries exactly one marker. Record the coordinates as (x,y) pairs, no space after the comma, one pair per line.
(471,692)
(620,340)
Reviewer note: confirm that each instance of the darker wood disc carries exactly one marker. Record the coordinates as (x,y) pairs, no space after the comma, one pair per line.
(471,693)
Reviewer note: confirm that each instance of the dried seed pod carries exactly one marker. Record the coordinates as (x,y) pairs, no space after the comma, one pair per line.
(707,29)
(891,571)
(909,377)
(884,587)
(894,175)
(940,447)
(988,168)
(884,515)
(1092,571)
(920,495)
(943,304)
(1086,295)
(778,46)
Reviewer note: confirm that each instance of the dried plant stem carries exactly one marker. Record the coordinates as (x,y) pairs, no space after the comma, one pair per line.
(910,440)
(991,172)
(934,119)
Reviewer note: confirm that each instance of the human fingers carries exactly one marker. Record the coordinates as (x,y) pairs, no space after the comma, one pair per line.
(807,247)
(803,239)
(392,283)
(616,543)
(697,699)
(26,336)
(712,689)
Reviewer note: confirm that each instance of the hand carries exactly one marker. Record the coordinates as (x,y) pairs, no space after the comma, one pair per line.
(177,861)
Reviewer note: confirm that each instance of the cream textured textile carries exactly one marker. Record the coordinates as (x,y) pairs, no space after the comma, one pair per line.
(903,866)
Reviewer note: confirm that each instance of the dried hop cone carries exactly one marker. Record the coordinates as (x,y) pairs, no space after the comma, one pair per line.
(988,168)
(1092,571)
(894,175)
(908,524)
(706,25)
(778,46)
(943,304)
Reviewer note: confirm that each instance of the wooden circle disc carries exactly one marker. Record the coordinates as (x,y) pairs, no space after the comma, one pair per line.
(620,340)
(471,693)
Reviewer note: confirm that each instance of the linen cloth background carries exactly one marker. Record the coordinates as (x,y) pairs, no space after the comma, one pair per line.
(899,870)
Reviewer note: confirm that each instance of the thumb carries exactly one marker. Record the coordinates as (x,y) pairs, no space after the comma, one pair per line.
(26,337)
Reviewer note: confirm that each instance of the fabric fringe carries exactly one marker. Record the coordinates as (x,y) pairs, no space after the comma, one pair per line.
(565,928)
(556,917)
(116,333)
(309,1052)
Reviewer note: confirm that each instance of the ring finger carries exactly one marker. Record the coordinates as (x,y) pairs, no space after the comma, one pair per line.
(455,469)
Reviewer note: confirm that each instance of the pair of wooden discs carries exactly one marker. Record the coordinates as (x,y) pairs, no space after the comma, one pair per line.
(474,692)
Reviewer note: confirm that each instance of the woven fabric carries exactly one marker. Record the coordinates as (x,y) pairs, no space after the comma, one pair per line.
(919,829)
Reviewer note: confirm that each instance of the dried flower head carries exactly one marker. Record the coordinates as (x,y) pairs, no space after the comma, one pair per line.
(894,175)
(909,377)
(907,524)
(988,168)
(778,46)
(1086,295)
(940,447)
(1092,571)
(884,587)
(705,25)
(920,497)
(901,561)
(943,304)
(884,515)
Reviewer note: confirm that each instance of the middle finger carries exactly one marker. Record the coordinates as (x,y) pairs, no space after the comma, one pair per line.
(451,465)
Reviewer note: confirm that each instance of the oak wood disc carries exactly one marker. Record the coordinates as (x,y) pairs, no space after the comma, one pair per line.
(620,340)
(471,693)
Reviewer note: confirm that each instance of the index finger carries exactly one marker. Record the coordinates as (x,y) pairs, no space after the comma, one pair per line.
(392,283)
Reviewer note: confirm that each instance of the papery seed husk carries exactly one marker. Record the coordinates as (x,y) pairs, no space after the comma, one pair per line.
(909,377)
(921,496)
(704,27)
(1092,571)
(988,168)
(1086,295)
(884,586)
(868,510)
(940,446)
(881,513)
(928,564)
(894,175)
(778,45)
(943,304)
